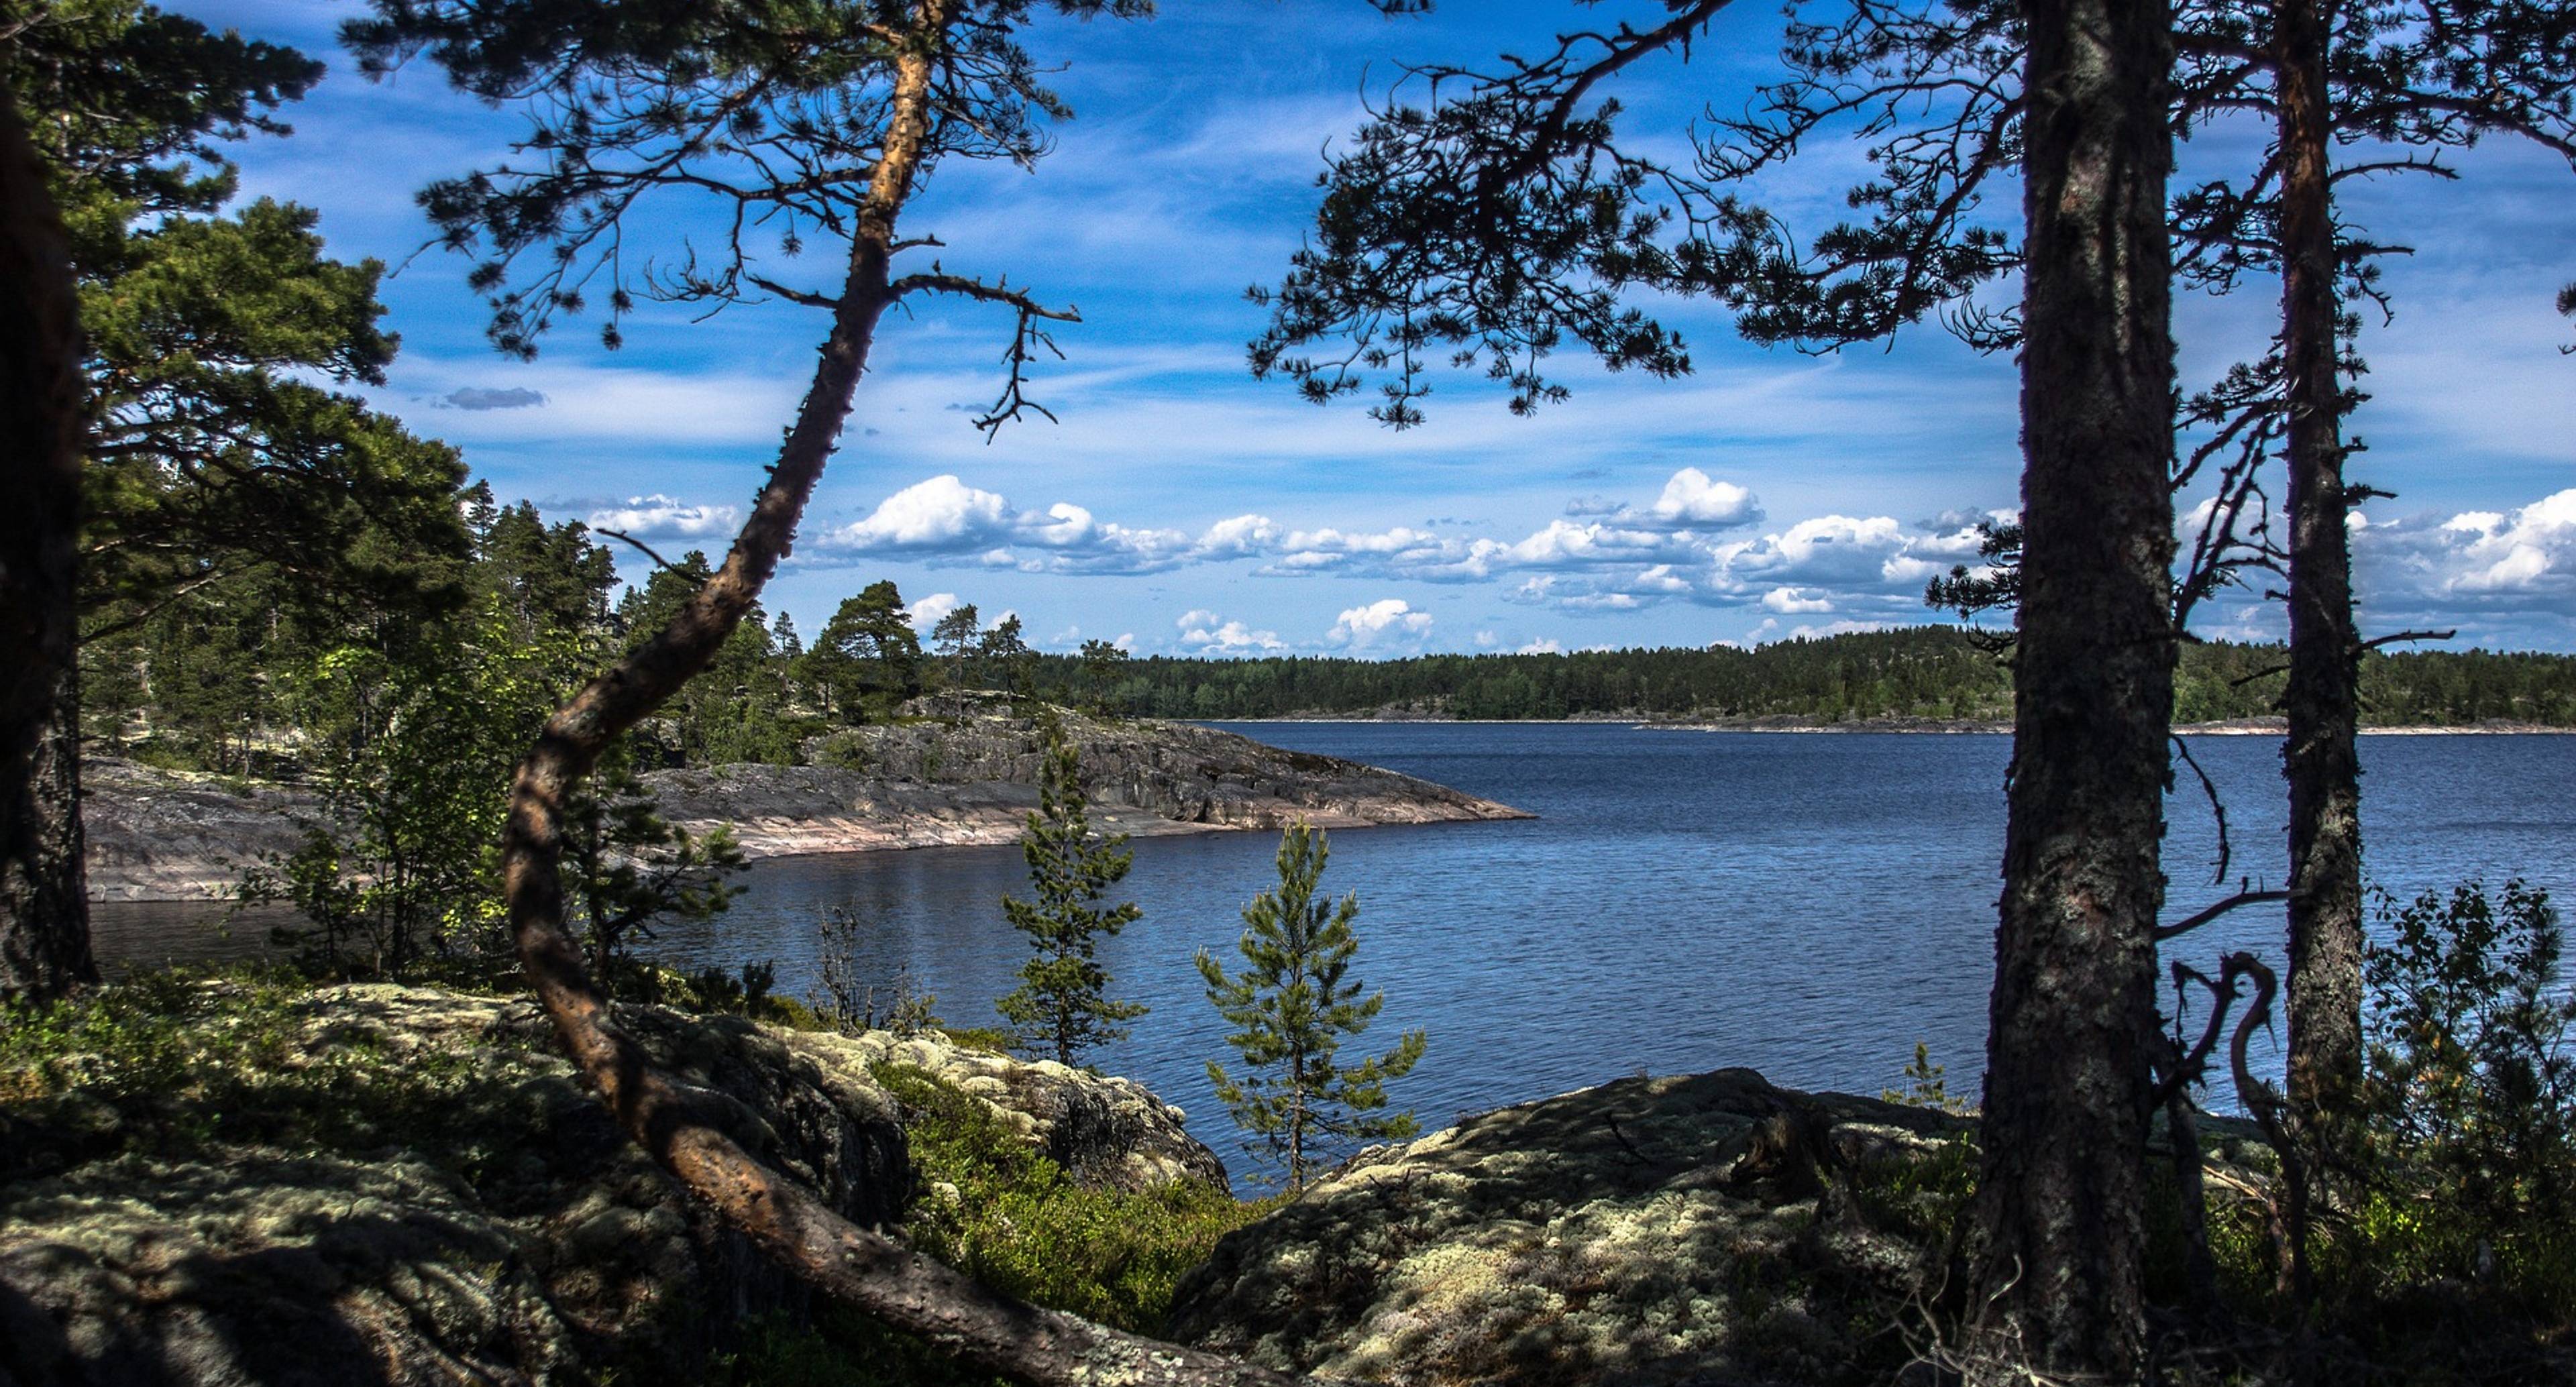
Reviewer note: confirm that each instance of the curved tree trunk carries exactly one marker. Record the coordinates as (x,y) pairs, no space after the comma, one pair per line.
(2320,757)
(2056,1272)
(44,897)
(867,1271)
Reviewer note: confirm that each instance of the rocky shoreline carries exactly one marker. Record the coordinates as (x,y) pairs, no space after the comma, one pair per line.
(172,835)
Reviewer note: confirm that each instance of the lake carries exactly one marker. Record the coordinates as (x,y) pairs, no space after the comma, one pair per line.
(1806,905)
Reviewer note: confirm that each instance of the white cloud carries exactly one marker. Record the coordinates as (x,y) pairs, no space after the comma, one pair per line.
(941,513)
(666,516)
(1690,498)
(1790,602)
(946,520)
(1388,623)
(2522,560)
(1545,645)
(1203,632)
(926,612)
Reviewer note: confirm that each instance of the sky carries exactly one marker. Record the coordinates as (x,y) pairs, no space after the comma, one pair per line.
(1179,506)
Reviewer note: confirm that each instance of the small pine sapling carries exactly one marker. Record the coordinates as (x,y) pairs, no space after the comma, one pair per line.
(1294,1008)
(1062,1006)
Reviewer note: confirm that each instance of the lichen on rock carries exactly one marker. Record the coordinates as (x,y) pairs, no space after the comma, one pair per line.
(253,1183)
(1636,1232)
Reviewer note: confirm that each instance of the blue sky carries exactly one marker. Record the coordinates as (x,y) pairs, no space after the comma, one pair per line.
(1181,507)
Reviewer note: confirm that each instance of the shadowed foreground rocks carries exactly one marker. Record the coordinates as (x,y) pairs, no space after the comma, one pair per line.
(1707,1229)
(406,1185)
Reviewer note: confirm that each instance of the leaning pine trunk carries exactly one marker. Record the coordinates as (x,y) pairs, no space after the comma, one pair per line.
(2056,1268)
(44,898)
(867,1271)
(2323,697)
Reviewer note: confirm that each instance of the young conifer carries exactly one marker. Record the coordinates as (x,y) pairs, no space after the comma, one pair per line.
(1295,1008)
(1062,1005)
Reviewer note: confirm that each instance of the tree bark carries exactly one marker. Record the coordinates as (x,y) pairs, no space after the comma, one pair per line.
(2322,699)
(2056,1269)
(868,1271)
(44,896)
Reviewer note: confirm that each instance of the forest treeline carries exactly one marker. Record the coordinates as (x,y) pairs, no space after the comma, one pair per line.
(1928,672)
(258,677)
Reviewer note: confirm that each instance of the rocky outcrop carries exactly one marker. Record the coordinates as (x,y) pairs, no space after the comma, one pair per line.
(157,835)
(1105,1131)
(1703,1229)
(926,783)
(168,835)
(403,1185)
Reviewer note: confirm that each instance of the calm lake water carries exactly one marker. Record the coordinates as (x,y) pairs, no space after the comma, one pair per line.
(1810,906)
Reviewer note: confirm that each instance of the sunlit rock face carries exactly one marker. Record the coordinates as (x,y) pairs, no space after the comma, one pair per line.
(1701,1229)
(409,1185)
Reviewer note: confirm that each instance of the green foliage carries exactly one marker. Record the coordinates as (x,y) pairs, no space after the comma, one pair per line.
(413,746)
(1019,1224)
(1293,1009)
(2471,1094)
(1101,670)
(736,709)
(1921,672)
(1915,1196)
(1926,1085)
(625,867)
(1061,1006)
(960,638)
(221,457)
(867,659)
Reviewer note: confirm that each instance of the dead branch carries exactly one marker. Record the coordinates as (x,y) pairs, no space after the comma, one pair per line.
(2194,921)
(647,551)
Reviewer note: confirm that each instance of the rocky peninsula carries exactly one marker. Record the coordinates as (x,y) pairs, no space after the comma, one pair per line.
(922,782)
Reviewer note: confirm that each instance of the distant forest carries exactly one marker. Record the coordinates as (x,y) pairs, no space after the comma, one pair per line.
(1926,672)
(504,612)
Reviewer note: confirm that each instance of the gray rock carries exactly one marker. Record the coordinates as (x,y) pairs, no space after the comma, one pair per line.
(170,835)
(504,1232)
(1645,1231)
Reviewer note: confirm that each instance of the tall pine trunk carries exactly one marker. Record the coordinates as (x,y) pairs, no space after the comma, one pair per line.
(868,1271)
(2056,1270)
(44,898)
(2322,699)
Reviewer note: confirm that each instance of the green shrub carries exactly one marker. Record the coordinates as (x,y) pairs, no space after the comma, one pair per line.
(2469,1152)
(992,1207)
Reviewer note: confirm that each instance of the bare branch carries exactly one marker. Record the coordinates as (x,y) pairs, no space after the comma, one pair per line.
(2199,918)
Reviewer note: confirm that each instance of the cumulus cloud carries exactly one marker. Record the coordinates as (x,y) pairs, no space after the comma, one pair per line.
(1690,500)
(666,516)
(945,520)
(1687,544)
(939,514)
(1545,645)
(1204,632)
(926,612)
(2517,561)
(1388,623)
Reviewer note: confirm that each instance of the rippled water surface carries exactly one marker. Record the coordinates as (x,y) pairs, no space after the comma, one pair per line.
(1810,906)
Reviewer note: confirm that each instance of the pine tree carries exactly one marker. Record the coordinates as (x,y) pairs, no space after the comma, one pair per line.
(1294,1008)
(1062,1005)
(959,635)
